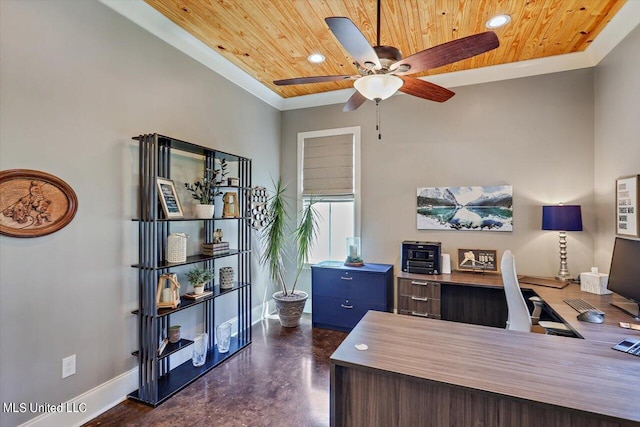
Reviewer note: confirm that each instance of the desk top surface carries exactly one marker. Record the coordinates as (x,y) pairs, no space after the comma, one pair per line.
(608,332)
(572,373)
(368,267)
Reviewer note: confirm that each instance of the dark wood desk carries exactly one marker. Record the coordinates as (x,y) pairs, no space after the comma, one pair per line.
(427,372)
(479,299)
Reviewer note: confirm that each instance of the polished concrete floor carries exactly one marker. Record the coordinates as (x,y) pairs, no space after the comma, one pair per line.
(281,379)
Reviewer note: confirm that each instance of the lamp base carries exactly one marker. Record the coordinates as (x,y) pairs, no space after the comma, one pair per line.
(563,273)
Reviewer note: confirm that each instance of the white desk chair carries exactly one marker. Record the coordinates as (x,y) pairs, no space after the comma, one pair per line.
(519,318)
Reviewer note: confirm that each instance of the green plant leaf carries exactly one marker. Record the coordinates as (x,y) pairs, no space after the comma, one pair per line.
(276,236)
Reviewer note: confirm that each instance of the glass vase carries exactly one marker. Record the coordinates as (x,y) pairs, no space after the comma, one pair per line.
(354,254)
(200,346)
(223,336)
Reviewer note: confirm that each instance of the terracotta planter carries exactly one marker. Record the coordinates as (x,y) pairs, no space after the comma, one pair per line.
(290,307)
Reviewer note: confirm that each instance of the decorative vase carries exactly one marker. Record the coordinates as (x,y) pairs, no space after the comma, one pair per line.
(223,336)
(226,278)
(219,205)
(174,334)
(198,289)
(204,211)
(200,345)
(290,307)
(354,254)
(177,247)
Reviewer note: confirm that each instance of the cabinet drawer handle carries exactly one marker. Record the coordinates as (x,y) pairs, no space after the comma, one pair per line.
(346,306)
(420,299)
(346,278)
(415,313)
(413,282)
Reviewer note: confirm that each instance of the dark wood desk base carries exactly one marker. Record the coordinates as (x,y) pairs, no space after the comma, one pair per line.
(479,299)
(426,372)
(410,402)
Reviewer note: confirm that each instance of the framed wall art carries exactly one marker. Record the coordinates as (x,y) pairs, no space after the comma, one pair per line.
(34,203)
(169,198)
(481,208)
(627,194)
(477,260)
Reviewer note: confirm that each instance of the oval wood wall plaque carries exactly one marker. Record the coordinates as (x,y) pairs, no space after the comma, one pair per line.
(34,203)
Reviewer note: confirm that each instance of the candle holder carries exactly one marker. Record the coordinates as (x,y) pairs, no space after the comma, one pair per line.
(354,254)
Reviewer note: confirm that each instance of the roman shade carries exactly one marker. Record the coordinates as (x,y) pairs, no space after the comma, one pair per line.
(328,166)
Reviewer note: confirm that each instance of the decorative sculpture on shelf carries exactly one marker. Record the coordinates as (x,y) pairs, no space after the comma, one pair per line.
(230,209)
(217,235)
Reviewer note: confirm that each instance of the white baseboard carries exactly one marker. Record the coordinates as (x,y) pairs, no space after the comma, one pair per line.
(103,397)
(94,402)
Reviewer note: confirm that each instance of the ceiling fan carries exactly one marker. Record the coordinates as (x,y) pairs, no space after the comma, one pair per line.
(382,71)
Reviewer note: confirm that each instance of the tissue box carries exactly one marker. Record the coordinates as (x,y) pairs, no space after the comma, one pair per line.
(595,283)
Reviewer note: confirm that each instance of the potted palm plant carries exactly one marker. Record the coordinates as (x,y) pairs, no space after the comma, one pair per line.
(275,239)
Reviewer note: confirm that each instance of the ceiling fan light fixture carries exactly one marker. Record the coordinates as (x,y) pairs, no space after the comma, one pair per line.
(498,21)
(378,86)
(316,58)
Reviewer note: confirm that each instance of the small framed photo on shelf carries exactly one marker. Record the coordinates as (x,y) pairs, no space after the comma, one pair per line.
(233,182)
(479,260)
(169,198)
(627,194)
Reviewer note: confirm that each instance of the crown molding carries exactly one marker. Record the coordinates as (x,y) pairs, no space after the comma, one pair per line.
(627,18)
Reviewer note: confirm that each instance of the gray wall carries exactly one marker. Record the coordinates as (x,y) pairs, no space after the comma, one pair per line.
(77,81)
(533,133)
(617,134)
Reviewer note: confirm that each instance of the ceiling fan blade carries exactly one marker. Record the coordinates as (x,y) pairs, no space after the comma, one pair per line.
(447,53)
(353,41)
(314,79)
(356,100)
(422,89)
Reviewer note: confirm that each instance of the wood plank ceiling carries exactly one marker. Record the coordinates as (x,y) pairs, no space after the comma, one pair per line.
(271,39)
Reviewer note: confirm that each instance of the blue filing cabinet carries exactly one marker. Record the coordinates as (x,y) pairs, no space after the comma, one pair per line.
(341,295)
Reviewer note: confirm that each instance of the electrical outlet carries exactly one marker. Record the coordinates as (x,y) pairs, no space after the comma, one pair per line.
(68,366)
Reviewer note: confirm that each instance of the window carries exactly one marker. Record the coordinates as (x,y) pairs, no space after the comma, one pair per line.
(329,171)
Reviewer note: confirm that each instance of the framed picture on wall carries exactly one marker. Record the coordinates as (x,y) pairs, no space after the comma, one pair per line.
(475,208)
(627,191)
(477,260)
(34,203)
(169,198)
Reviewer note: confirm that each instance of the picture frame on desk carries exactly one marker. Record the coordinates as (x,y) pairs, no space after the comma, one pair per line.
(627,195)
(477,260)
(169,198)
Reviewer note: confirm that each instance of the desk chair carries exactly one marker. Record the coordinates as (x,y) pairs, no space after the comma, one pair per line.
(519,318)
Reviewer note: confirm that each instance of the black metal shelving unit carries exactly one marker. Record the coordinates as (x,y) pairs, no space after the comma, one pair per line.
(157,379)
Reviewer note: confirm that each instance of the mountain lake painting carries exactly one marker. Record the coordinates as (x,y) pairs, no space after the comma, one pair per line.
(488,208)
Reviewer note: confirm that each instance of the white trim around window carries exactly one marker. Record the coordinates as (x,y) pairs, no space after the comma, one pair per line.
(355,133)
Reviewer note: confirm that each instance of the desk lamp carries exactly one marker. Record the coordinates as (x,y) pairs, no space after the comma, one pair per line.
(562,218)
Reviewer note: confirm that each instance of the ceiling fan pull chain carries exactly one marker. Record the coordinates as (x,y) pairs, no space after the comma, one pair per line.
(378,118)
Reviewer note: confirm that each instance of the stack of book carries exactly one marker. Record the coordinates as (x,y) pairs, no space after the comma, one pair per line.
(213,249)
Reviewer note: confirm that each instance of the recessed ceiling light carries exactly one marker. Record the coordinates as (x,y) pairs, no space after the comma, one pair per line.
(498,21)
(315,58)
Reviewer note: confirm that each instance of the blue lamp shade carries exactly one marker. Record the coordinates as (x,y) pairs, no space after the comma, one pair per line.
(562,218)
